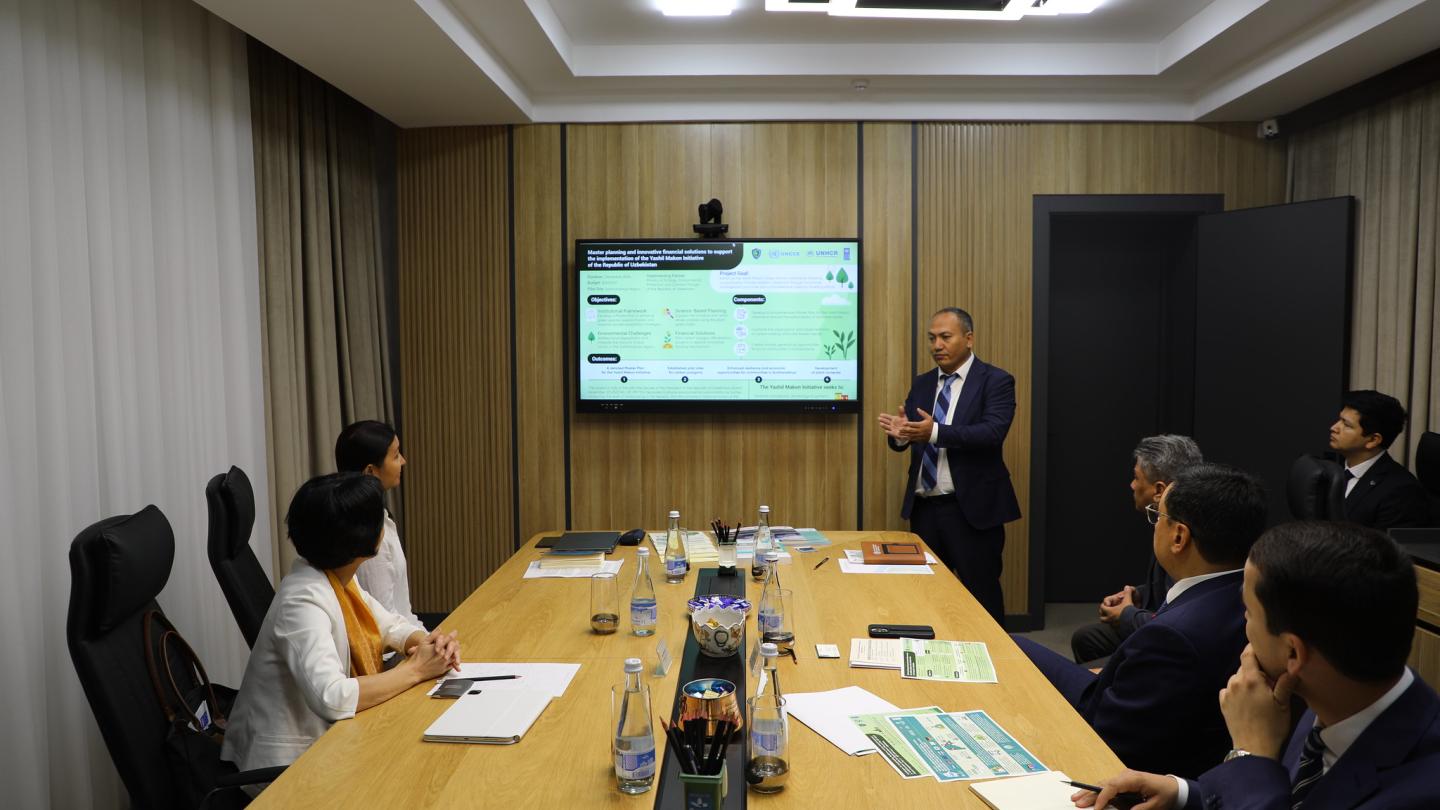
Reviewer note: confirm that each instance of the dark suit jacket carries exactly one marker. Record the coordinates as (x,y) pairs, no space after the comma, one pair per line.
(1155,703)
(1148,597)
(1387,496)
(1394,765)
(972,443)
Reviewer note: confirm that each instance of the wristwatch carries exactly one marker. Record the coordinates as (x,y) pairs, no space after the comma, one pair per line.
(1236,753)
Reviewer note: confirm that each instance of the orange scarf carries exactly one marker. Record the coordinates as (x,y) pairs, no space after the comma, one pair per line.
(366,646)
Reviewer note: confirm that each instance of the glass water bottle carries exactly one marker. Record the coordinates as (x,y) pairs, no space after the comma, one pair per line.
(633,743)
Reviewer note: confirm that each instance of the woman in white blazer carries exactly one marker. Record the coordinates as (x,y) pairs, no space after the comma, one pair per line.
(317,658)
(373,448)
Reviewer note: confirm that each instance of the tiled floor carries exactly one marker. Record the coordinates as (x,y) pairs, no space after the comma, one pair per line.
(1061,619)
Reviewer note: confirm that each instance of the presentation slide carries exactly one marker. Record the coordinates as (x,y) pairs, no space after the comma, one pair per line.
(733,321)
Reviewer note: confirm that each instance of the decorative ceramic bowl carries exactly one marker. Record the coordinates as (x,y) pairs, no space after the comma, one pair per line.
(719,600)
(720,631)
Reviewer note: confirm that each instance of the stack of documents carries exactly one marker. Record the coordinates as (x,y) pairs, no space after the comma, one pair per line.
(828,714)
(698,547)
(552,561)
(536,571)
(854,563)
(926,659)
(499,712)
(947,746)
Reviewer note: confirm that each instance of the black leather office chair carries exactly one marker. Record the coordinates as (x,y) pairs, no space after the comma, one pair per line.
(1427,471)
(1316,489)
(117,568)
(232,517)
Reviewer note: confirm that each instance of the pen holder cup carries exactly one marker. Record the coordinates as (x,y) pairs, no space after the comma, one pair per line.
(705,792)
(713,699)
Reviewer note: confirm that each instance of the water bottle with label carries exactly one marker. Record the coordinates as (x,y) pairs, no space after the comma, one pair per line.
(644,612)
(676,564)
(772,610)
(763,543)
(768,767)
(634,738)
(769,677)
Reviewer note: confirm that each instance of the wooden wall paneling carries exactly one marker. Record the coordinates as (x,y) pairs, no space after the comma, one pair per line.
(455,355)
(774,180)
(887,333)
(540,356)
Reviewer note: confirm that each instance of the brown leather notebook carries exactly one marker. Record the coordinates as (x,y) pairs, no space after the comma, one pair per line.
(893,554)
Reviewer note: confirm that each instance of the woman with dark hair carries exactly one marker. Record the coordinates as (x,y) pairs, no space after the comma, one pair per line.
(372,448)
(318,656)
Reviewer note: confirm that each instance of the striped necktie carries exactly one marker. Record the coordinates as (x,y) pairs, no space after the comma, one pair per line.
(930,459)
(1312,767)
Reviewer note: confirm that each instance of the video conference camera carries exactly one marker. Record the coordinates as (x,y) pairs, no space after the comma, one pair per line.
(710,226)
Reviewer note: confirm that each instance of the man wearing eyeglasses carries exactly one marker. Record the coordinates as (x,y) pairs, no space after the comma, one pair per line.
(1154,702)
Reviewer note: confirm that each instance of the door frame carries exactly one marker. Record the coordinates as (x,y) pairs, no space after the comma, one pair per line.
(1044,207)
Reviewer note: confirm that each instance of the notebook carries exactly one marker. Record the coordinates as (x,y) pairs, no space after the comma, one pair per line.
(893,554)
(496,717)
(1041,791)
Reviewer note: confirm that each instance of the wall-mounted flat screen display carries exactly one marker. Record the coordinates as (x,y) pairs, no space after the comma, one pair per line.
(718,326)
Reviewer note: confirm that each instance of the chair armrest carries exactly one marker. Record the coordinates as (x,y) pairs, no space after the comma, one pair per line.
(227,794)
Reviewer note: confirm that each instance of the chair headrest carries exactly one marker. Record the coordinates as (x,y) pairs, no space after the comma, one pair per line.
(127,563)
(1427,461)
(239,499)
(1309,487)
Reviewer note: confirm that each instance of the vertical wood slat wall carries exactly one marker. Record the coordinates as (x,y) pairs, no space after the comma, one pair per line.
(970,245)
(455,359)
(775,180)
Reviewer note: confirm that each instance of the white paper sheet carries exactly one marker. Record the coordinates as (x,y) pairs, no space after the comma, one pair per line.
(828,714)
(549,678)
(536,572)
(857,556)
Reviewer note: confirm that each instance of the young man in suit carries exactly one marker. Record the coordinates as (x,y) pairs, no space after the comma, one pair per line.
(1157,459)
(958,496)
(1331,619)
(1379,492)
(1154,702)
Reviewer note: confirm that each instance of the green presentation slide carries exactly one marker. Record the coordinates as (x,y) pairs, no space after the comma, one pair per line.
(735,321)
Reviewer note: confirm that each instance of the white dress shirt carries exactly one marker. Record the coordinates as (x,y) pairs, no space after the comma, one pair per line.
(943,484)
(1339,737)
(386,577)
(1359,470)
(1181,586)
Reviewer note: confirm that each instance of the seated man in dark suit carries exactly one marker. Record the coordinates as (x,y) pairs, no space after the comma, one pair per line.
(1379,492)
(1158,459)
(1331,619)
(1154,702)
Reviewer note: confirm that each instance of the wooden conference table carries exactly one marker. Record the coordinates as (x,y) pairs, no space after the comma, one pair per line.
(377,759)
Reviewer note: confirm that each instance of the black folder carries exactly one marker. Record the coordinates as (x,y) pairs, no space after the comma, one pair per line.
(580,542)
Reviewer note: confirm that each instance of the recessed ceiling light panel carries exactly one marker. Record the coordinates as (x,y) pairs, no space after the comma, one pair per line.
(695,8)
(932,9)
(821,6)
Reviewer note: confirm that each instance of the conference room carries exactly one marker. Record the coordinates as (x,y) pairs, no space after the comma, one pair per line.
(976,298)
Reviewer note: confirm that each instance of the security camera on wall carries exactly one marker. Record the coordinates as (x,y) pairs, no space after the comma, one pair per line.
(1268,129)
(710,226)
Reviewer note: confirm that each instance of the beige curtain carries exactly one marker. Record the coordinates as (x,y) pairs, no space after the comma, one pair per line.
(1388,157)
(326,339)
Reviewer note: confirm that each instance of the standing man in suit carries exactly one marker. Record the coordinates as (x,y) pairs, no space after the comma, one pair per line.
(1158,459)
(1379,492)
(958,496)
(1331,619)
(1154,702)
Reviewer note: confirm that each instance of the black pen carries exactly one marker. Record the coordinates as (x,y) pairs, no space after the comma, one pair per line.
(1120,800)
(822,562)
(493,678)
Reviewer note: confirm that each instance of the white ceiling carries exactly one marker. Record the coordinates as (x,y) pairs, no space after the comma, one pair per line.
(446,62)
